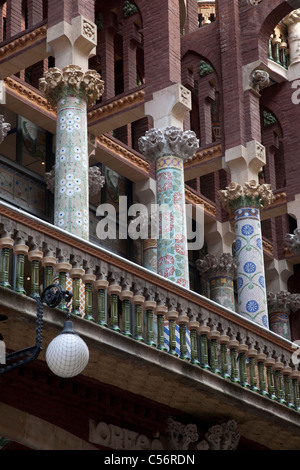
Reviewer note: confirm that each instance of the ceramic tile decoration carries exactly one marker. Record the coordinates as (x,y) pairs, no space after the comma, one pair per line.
(252,300)
(169,148)
(71,90)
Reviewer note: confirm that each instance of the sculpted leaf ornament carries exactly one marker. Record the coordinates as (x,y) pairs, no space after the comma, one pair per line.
(252,193)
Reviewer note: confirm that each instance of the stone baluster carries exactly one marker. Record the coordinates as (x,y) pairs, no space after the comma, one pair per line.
(113,291)
(252,355)
(171,317)
(126,296)
(182,321)
(20,250)
(214,336)
(193,326)
(6,245)
(137,301)
(169,148)
(49,263)
(88,280)
(269,364)
(101,285)
(203,332)
(35,256)
(279,311)
(223,341)
(76,273)
(233,346)
(261,359)
(295,378)
(149,307)
(71,90)
(279,391)
(246,202)
(62,268)
(160,312)
(242,354)
(287,383)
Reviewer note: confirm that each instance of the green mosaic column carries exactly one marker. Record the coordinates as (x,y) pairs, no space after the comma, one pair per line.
(170,148)
(6,245)
(193,326)
(101,286)
(49,263)
(76,276)
(88,281)
(252,353)
(126,296)
(35,257)
(149,307)
(71,90)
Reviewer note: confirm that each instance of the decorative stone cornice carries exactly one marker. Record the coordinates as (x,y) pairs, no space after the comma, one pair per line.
(20,43)
(96,180)
(4,128)
(56,82)
(193,198)
(121,152)
(171,140)
(213,266)
(292,241)
(250,194)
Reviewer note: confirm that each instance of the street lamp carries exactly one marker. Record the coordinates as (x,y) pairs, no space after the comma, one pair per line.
(67,355)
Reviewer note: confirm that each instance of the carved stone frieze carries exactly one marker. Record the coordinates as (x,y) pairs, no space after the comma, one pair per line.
(171,140)
(219,437)
(251,193)
(56,82)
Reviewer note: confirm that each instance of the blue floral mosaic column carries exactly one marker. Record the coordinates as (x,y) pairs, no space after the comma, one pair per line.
(169,149)
(246,203)
(71,90)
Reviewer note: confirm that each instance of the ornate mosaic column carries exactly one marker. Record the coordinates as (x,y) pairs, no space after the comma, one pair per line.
(279,307)
(246,201)
(71,90)
(221,272)
(170,148)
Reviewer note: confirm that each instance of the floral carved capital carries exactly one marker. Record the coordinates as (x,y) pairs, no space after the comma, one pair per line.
(212,266)
(56,82)
(172,140)
(4,128)
(251,193)
(292,241)
(96,180)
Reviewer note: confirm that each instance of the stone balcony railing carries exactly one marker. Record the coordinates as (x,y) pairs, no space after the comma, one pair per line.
(131,302)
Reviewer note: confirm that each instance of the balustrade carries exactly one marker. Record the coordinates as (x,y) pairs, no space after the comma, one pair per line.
(136,303)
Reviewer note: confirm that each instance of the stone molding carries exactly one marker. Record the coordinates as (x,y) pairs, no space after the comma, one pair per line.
(172,140)
(55,83)
(250,194)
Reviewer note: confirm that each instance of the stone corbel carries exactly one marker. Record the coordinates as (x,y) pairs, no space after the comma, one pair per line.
(72,43)
(244,163)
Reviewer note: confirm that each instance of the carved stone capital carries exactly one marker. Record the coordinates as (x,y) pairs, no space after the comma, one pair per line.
(4,128)
(292,241)
(171,140)
(55,83)
(96,180)
(213,266)
(250,194)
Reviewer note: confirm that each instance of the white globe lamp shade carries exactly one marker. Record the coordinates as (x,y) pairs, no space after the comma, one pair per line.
(67,355)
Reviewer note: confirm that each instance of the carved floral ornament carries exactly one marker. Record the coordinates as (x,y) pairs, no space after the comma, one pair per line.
(282,299)
(292,241)
(252,193)
(213,265)
(4,128)
(55,82)
(171,140)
